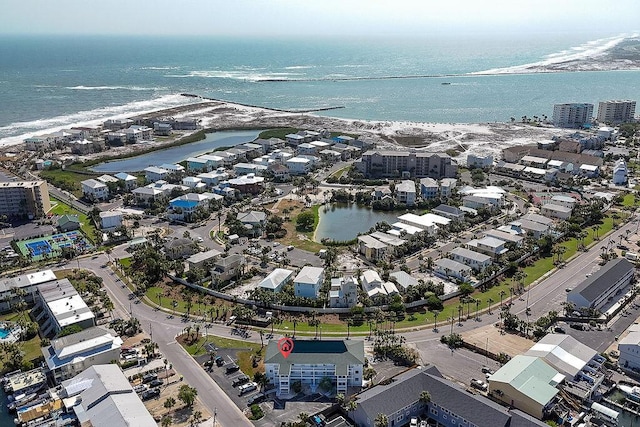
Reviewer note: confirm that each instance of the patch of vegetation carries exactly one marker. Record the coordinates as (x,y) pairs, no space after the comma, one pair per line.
(86,225)
(65,179)
(256,412)
(277,133)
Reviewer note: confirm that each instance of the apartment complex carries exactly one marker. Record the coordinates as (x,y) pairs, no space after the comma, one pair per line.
(573,115)
(616,111)
(24,198)
(406,164)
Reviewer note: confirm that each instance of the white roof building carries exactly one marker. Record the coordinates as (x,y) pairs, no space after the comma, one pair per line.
(276,279)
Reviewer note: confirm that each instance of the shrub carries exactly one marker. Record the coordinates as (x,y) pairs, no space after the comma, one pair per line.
(256,412)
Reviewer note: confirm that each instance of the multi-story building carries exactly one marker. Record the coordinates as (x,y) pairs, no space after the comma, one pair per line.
(93,189)
(406,164)
(616,111)
(61,306)
(473,259)
(68,356)
(26,283)
(478,161)
(24,199)
(602,286)
(619,176)
(343,292)
(573,115)
(309,362)
(308,282)
(406,192)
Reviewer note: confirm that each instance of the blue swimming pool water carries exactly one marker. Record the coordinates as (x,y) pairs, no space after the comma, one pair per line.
(4,333)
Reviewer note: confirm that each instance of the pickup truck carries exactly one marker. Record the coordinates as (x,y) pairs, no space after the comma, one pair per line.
(480,385)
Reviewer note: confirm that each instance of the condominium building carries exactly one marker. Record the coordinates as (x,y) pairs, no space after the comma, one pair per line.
(406,164)
(616,111)
(24,199)
(309,362)
(59,305)
(573,115)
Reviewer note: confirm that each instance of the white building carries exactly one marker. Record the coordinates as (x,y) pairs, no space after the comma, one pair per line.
(629,348)
(154,173)
(68,356)
(619,175)
(572,115)
(478,161)
(110,220)
(102,396)
(406,192)
(93,189)
(61,306)
(276,280)
(473,259)
(308,282)
(552,210)
(488,245)
(311,361)
(299,165)
(603,285)
(449,268)
(130,181)
(343,292)
(616,111)
(446,186)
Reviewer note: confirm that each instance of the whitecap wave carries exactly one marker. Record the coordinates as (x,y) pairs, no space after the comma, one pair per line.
(160,68)
(299,67)
(16,132)
(245,75)
(590,49)
(134,88)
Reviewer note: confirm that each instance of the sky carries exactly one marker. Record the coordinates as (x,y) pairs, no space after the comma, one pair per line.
(275,18)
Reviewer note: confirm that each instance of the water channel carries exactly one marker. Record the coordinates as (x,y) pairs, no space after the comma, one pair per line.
(179,153)
(341,221)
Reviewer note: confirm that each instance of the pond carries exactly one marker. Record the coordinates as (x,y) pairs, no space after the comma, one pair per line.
(179,153)
(341,221)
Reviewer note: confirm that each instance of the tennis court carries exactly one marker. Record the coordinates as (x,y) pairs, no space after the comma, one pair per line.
(51,246)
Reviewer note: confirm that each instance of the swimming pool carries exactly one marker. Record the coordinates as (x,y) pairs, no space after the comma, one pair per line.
(4,333)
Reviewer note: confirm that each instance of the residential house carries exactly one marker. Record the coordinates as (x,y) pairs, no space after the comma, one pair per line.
(526,383)
(249,168)
(68,356)
(276,280)
(226,268)
(307,149)
(403,280)
(247,184)
(373,285)
(299,165)
(198,164)
(429,188)
(154,173)
(253,221)
(552,210)
(479,161)
(94,190)
(372,248)
(406,192)
(446,187)
(308,282)
(450,212)
(110,220)
(516,240)
(476,260)
(343,292)
(180,248)
(534,228)
(489,246)
(162,129)
(129,181)
(213,178)
(199,259)
(310,361)
(184,207)
(194,183)
(279,172)
(590,171)
(449,268)
(68,223)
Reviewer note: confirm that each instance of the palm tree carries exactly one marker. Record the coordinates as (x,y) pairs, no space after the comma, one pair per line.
(460,310)
(381,420)
(295,322)
(502,294)
(435,320)
(425,397)
(490,302)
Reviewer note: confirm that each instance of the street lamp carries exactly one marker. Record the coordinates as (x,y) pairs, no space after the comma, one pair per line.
(215,414)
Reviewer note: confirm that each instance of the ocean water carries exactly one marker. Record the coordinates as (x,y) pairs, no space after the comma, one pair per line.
(47,83)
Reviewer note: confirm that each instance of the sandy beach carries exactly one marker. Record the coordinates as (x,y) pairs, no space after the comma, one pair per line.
(431,137)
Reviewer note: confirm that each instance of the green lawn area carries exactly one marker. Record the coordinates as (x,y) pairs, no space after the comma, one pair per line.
(65,179)
(337,174)
(87,227)
(629,200)
(244,357)
(31,348)
(277,133)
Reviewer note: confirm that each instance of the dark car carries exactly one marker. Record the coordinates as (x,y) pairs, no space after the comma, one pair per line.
(150,394)
(559,330)
(208,363)
(149,377)
(156,383)
(242,379)
(232,368)
(258,398)
(219,361)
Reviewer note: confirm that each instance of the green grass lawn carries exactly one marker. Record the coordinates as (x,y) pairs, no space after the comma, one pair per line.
(31,348)
(630,200)
(277,133)
(87,227)
(65,179)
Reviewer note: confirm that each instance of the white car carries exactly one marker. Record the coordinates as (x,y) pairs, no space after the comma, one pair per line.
(414,422)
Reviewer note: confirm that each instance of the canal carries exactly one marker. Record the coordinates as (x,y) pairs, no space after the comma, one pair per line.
(177,154)
(342,221)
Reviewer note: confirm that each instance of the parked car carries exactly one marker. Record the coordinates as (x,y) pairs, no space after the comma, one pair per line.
(414,422)
(208,363)
(156,383)
(242,379)
(258,398)
(232,368)
(149,377)
(150,394)
(480,385)
(486,370)
(140,388)
(219,361)
(559,330)
(246,388)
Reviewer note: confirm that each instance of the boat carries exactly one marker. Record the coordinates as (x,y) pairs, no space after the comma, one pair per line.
(632,393)
(445,83)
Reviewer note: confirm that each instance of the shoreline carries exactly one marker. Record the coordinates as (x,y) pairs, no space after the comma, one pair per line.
(465,138)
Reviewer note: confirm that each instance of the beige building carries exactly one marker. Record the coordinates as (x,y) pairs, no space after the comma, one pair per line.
(24,198)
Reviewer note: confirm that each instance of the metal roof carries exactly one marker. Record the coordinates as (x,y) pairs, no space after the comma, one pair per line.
(592,287)
(341,353)
(529,375)
(563,352)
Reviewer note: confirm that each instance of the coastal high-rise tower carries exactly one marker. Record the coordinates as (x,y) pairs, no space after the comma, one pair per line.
(616,111)
(28,199)
(573,115)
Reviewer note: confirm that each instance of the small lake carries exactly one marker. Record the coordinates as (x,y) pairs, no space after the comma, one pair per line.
(177,154)
(344,221)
